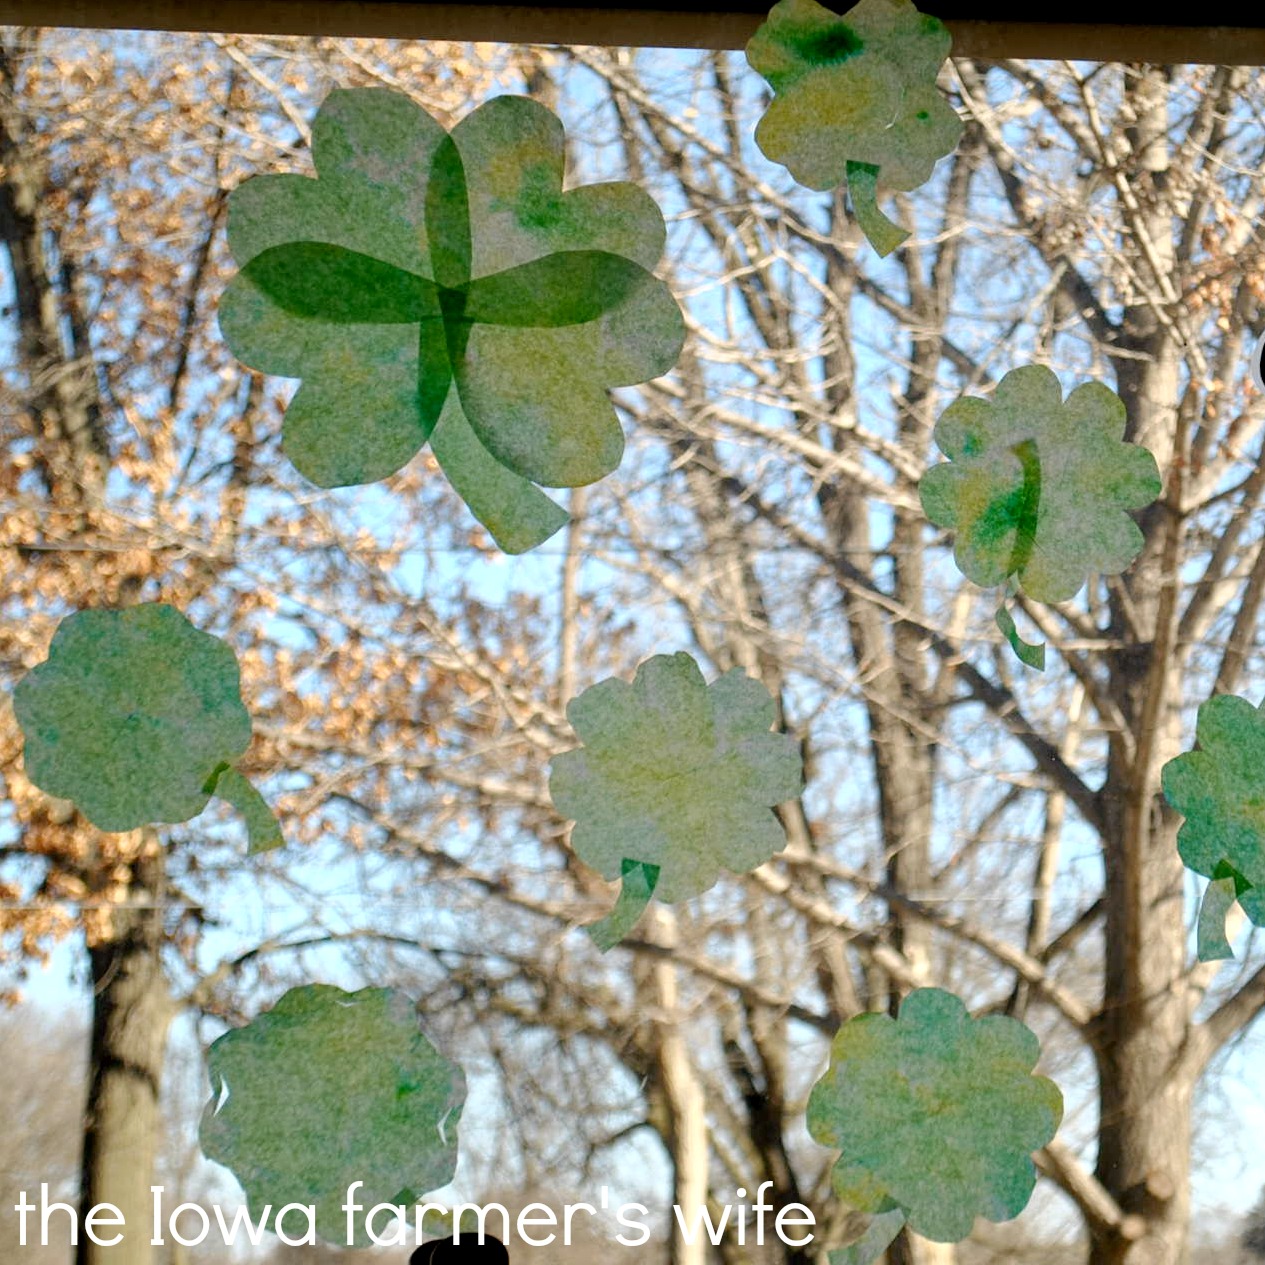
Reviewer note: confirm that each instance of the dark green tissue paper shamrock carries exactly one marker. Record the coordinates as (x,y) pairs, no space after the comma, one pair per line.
(329,1088)
(445,287)
(936,1115)
(675,783)
(1037,489)
(856,101)
(1220,790)
(137,718)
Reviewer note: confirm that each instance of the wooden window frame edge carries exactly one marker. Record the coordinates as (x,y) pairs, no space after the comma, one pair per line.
(684,28)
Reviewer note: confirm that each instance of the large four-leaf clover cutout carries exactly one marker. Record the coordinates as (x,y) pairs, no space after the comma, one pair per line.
(855,101)
(329,1088)
(1037,489)
(936,1115)
(1220,790)
(443,287)
(675,783)
(137,718)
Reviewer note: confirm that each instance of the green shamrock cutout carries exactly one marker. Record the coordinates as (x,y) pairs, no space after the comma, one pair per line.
(856,101)
(1220,790)
(675,782)
(936,1115)
(329,1088)
(444,287)
(136,717)
(1037,489)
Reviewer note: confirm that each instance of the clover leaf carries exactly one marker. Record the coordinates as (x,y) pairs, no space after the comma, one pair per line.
(675,782)
(137,718)
(856,101)
(440,286)
(329,1088)
(1220,790)
(1037,489)
(936,1114)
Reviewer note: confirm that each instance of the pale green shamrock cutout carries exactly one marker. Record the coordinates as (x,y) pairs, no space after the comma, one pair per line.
(329,1088)
(1220,790)
(137,718)
(936,1115)
(675,783)
(856,101)
(444,287)
(1037,489)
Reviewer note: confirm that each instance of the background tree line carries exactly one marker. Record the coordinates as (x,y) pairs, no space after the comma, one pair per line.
(966,822)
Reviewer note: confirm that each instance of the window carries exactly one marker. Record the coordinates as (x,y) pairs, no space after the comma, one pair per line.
(413,602)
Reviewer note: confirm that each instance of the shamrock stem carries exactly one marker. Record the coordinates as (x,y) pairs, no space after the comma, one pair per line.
(1218,898)
(880,232)
(517,513)
(1027,652)
(1028,507)
(262,829)
(637,887)
(878,1237)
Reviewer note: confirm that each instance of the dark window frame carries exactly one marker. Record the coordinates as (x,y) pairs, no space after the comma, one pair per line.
(1227,33)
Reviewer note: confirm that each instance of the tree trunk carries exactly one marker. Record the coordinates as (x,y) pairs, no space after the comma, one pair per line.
(1145,1089)
(891,660)
(54,350)
(913,1249)
(676,1099)
(687,1113)
(131,1012)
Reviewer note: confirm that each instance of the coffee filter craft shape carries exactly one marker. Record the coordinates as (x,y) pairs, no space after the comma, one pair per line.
(137,718)
(1220,791)
(443,287)
(675,783)
(326,1089)
(855,101)
(1037,490)
(936,1116)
